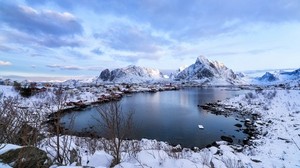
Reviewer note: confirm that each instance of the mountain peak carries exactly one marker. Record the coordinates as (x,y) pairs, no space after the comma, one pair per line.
(202,60)
(130,74)
(268,77)
(206,70)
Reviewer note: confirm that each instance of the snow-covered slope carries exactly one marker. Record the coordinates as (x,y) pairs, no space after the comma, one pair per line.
(207,71)
(279,142)
(131,74)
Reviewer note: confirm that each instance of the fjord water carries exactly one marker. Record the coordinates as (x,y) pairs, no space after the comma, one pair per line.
(171,116)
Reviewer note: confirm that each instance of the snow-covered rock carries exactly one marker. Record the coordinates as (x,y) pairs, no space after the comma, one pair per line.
(131,74)
(207,71)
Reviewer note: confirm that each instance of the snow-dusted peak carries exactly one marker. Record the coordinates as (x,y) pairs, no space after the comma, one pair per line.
(207,71)
(268,77)
(202,60)
(219,65)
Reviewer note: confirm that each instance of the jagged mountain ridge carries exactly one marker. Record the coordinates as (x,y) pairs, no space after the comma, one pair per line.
(206,70)
(268,77)
(287,78)
(130,74)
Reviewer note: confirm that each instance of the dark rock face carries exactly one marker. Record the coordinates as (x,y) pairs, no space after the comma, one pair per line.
(117,73)
(105,75)
(268,77)
(205,73)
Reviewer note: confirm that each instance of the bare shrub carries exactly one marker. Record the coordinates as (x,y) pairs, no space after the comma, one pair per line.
(175,152)
(270,95)
(18,125)
(232,163)
(116,127)
(131,147)
(61,144)
(206,157)
(250,95)
(9,120)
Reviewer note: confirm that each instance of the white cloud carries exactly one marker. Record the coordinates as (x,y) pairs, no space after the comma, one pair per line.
(5,63)
(62,67)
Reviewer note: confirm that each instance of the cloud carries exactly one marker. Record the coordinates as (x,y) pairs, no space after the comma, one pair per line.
(53,42)
(68,67)
(55,66)
(5,63)
(43,40)
(5,48)
(25,25)
(71,68)
(45,22)
(192,19)
(130,38)
(96,68)
(130,42)
(134,57)
(252,52)
(97,51)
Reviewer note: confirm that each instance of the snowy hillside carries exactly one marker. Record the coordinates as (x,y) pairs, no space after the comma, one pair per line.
(206,71)
(130,74)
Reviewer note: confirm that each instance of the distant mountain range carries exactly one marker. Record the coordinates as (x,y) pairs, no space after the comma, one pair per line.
(290,79)
(202,71)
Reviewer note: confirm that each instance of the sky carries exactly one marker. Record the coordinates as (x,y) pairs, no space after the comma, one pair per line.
(83,37)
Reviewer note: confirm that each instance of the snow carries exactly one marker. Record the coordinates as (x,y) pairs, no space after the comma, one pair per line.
(6,147)
(201,126)
(100,158)
(4,165)
(8,91)
(280,146)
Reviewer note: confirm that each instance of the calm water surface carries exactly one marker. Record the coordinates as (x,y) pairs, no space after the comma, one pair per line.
(171,116)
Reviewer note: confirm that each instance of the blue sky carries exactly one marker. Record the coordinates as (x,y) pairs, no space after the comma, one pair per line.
(82,37)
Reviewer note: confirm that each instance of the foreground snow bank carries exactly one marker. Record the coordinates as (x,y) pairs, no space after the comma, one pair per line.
(152,153)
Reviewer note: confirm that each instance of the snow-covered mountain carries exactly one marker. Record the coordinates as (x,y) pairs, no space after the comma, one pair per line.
(130,74)
(287,78)
(206,71)
(268,77)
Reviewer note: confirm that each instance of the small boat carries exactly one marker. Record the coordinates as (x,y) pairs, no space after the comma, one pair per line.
(201,126)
